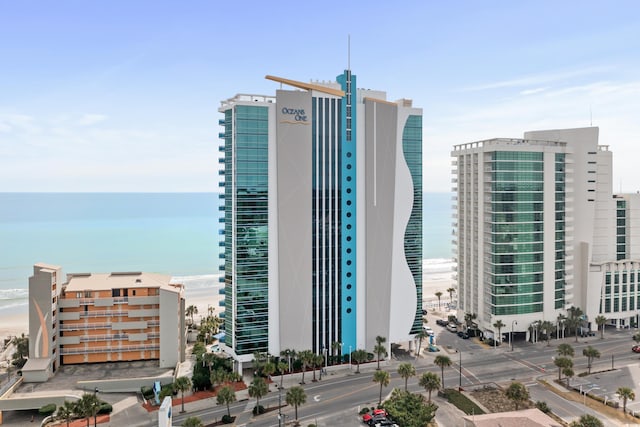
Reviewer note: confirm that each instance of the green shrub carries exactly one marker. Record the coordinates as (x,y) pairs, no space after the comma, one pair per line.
(542,406)
(47,410)
(257,410)
(147,392)
(227,419)
(105,408)
(363,411)
(462,402)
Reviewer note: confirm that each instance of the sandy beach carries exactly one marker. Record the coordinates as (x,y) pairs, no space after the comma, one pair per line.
(15,320)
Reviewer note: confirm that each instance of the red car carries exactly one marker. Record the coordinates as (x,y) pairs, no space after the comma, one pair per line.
(366,418)
(636,348)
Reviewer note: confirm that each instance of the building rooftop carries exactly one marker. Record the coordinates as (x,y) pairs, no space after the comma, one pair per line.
(107,281)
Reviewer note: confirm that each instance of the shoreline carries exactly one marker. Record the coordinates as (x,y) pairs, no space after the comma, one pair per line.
(14,320)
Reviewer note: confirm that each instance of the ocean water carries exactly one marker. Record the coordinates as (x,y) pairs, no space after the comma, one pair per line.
(169,233)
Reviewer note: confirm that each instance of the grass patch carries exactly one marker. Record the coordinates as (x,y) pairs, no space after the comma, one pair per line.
(462,402)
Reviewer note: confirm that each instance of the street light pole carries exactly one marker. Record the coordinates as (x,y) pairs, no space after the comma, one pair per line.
(584,399)
(511,333)
(350,367)
(460,371)
(95,410)
(279,406)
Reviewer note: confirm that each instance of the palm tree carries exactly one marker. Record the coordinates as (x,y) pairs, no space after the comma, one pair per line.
(590,353)
(87,406)
(268,368)
(575,319)
(451,291)
(547,326)
(568,374)
(430,382)
(442,361)
(359,356)
(383,378)
(406,370)
(421,335)
(439,295)
(565,350)
(226,396)
(21,344)
(258,388)
(182,384)
(192,422)
(282,366)
(625,394)
(561,322)
(587,421)
(499,325)
(288,353)
(562,363)
(296,397)
(335,349)
(517,392)
(380,349)
(66,411)
(469,318)
(601,321)
(191,311)
(316,361)
(305,357)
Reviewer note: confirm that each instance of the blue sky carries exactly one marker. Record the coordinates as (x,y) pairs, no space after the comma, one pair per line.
(123,95)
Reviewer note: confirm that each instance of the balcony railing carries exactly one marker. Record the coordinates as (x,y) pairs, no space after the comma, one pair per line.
(118,349)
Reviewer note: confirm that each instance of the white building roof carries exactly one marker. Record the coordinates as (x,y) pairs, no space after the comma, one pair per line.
(107,281)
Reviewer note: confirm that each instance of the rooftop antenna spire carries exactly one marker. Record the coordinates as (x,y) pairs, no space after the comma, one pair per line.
(349,52)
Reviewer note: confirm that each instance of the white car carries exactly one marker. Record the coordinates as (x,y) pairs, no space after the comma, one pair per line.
(428,330)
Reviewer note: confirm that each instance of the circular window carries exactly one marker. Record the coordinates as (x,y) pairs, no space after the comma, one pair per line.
(348,153)
(348,286)
(348,310)
(348,298)
(349,166)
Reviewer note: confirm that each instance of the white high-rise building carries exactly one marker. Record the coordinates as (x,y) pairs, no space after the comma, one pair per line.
(322,218)
(539,231)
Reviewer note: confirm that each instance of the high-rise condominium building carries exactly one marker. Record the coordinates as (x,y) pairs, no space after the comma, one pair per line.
(322,218)
(538,231)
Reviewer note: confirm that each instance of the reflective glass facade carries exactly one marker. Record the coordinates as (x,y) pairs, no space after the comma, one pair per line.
(621,229)
(246,228)
(560,238)
(412,149)
(515,264)
(326,222)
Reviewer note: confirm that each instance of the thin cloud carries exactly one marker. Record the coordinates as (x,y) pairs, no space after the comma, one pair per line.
(533,91)
(91,119)
(537,79)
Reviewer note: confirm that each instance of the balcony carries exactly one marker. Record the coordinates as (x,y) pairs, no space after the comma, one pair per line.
(118,349)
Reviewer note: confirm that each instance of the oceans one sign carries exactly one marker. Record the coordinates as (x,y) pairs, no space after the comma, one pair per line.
(297,114)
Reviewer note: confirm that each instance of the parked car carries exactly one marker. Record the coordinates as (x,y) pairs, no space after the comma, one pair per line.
(636,348)
(451,327)
(441,322)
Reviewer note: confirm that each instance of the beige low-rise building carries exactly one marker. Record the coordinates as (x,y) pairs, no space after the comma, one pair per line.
(105,317)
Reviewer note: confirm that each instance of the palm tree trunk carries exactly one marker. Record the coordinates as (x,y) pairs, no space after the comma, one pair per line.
(296,410)
(378,368)
(429,396)
(380,398)
(183,401)
(405,383)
